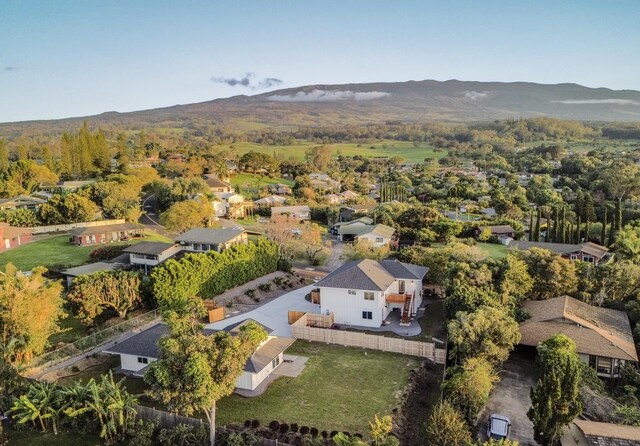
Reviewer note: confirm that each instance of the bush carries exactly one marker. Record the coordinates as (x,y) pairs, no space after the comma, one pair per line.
(255,424)
(294,427)
(251,292)
(314,432)
(284,428)
(284,265)
(304,430)
(247,423)
(274,425)
(265,287)
(324,434)
(107,252)
(184,435)
(144,433)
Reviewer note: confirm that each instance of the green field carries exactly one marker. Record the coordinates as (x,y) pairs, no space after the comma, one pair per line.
(404,149)
(250,180)
(493,250)
(54,252)
(340,389)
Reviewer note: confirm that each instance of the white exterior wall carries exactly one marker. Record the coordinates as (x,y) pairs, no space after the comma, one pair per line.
(347,308)
(130,362)
(372,239)
(135,259)
(219,208)
(249,381)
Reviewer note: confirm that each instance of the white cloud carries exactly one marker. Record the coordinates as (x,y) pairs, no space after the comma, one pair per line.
(328,96)
(476,95)
(599,101)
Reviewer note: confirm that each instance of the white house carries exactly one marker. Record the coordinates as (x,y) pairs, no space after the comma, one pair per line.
(271,200)
(211,239)
(296,212)
(138,351)
(365,292)
(147,255)
(378,235)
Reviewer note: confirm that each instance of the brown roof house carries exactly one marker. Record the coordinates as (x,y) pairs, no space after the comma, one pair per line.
(587,252)
(497,231)
(602,335)
(13,236)
(593,433)
(96,235)
(216,184)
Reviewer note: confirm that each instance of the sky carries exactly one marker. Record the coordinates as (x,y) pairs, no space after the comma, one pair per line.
(64,58)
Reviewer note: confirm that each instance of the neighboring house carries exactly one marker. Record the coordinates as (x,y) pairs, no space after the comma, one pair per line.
(96,235)
(66,186)
(349,195)
(13,236)
(603,336)
(587,252)
(365,292)
(593,433)
(378,235)
(231,205)
(319,176)
(21,202)
(496,231)
(211,239)
(349,227)
(279,189)
(332,199)
(346,212)
(138,351)
(89,268)
(147,255)
(296,212)
(217,185)
(271,200)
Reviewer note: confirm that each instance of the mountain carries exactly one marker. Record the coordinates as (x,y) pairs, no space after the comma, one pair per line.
(428,100)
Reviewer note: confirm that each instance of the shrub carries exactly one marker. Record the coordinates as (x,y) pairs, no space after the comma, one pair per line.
(278,281)
(265,287)
(107,252)
(284,265)
(304,430)
(324,434)
(284,428)
(257,299)
(314,432)
(294,427)
(255,424)
(251,292)
(247,423)
(333,434)
(75,369)
(274,425)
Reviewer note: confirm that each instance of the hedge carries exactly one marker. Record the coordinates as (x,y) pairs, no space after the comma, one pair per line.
(207,275)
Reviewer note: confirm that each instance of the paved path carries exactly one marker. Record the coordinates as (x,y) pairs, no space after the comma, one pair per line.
(334,260)
(274,314)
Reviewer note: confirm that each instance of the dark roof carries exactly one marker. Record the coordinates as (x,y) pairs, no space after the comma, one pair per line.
(608,434)
(211,236)
(499,229)
(214,181)
(151,248)
(145,344)
(371,275)
(235,328)
(595,330)
(590,248)
(106,229)
(91,268)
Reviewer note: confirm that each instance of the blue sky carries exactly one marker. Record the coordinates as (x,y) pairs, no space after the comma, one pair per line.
(62,58)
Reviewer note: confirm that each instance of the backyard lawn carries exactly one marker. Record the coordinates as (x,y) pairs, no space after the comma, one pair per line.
(55,251)
(249,180)
(340,388)
(36,438)
(493,250)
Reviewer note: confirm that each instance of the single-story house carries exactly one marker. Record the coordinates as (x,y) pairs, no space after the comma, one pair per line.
(211,239)
(140,350)
(96,235)
(296,212)
(21,202)
(271,200)
(332,199)
(279,189)
(594,433)
(587,252)
(89,268)
(603,336)
(378,235)
(346,212)
(217,185)
(13,236)
(147,255)
(349,195)
(65,186)
(347,227)
(365,292)
(496,231)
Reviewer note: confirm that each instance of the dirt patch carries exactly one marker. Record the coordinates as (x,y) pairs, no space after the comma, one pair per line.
(78,367)
(241,302)
(421,394)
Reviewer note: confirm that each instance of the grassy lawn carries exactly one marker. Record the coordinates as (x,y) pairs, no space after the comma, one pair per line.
(340,389)
(493,250)
(55,252)
(250,180)
(71,329)
(404,149)
(36,438)
(135,386)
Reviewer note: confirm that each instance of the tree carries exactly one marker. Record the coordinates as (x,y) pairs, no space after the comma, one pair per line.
(280,230)
(119,196)
(194,371)
(622,182)
(365,249)
(30,308)
(185,215)
(446,426)
(467,386)
(488,333)
(552,275)
(555,401)
(115,290)
(22,217)
(319,157)
(515,282)
(627,243)
(311,238)
(71,208)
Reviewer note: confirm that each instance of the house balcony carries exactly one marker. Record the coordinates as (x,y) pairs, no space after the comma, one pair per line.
(406,300)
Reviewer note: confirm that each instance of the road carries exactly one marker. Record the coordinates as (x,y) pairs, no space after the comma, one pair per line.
(149,216)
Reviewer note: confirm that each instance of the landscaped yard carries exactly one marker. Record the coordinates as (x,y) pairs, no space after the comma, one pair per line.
(56,251)
(493,250)
(249,180)
(341,388)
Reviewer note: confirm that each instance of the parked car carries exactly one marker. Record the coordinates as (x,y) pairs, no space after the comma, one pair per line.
(297,232)
(498,427)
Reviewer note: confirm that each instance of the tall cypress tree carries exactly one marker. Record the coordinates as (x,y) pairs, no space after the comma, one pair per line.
(563,227)
(530,224)
(536,234)
(612,230)
(603,234)
(556,214)
(547,232)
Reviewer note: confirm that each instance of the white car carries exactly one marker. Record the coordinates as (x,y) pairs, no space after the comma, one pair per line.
(297,232)
(498,427)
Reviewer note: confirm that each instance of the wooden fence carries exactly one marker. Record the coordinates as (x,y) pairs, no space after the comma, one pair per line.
(301,329)
(70,226)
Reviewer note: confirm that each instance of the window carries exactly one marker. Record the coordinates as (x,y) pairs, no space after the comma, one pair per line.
(379,240)
(368,295)
(142,360)
(604,365)
(353,292)
(587,259)
(275,362)
(367,315)
(574,257)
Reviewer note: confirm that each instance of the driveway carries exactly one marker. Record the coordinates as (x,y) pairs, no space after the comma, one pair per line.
(510,397)
(275,313)
(335,253)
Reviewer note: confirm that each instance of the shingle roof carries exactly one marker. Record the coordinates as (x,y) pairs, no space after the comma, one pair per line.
(211,236)
(380,230)
(562,248)
(499,229)
(214,181)
(145,344)
(595,330)
(371,275)
(91,268)
(106,229)
(609,434)
(150,248)
(287,209)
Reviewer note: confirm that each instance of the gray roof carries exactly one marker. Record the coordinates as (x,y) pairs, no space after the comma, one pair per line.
(151,248)
(106,229)
(145,344)
(91,268)
(211,236)
(371,275)
(562,248)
